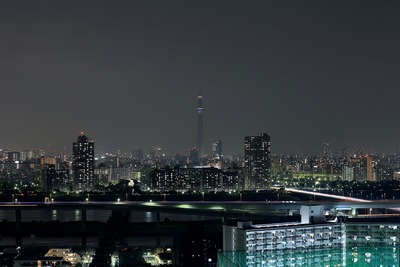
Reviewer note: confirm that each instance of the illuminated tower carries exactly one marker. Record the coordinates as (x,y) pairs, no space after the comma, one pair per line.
(257,161)
(200,111)
(83,163)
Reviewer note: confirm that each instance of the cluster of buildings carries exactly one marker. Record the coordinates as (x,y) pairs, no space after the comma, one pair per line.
(352,167)
(156,171)
(256,169)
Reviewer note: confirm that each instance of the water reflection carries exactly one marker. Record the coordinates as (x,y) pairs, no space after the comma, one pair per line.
(148,216)
(54,215)
(93,215)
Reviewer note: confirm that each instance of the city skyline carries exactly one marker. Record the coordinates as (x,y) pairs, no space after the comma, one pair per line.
(127,74)
(335,152)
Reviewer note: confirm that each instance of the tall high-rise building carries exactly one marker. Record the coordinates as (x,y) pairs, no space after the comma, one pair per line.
(83,163)
(370,170)
(217,148)
(257,161)
(14,159)
(200,111)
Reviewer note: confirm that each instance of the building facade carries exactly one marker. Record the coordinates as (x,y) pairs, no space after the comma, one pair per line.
(204,179)
(83,163)
(257,161)
(312,242)
(257,241)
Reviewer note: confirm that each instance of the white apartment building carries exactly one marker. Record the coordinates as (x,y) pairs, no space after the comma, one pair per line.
(257,240)
(312,242)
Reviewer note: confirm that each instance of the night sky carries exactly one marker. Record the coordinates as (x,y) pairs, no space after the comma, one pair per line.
(127,74)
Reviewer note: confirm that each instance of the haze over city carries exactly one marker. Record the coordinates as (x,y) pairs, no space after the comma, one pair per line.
(127,74)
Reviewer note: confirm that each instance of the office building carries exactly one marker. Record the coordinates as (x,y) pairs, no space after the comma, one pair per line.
(257,161)
(83,163)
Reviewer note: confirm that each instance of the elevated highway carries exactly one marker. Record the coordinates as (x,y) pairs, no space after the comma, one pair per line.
(248,209)
(219,209)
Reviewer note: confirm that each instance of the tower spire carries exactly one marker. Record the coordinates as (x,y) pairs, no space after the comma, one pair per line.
(200,111)
(200,84)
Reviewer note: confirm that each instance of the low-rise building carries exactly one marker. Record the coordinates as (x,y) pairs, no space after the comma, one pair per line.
(44,256)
